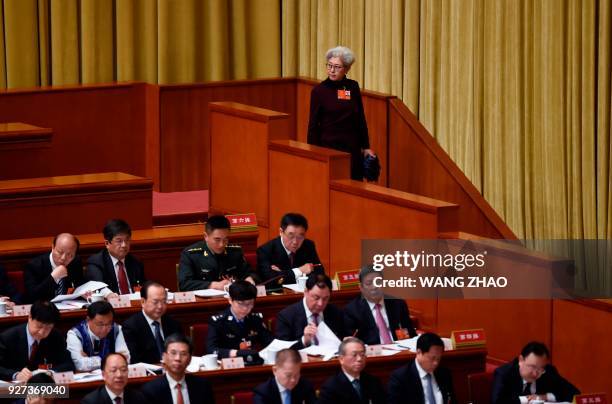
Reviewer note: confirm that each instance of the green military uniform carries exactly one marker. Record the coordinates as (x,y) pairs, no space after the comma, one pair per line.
(199,266)
(225,333)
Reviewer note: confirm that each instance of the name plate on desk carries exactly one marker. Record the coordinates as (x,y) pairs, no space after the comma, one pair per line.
(63,377)
(468,338)
(232,363)
(347,279)
(137,371)
(21,309)
(184,297)
(374,350)
(120,301)
(261,290)
(242,222)
(596,398)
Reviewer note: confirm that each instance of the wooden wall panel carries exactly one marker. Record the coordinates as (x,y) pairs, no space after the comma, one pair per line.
(76,204)
(300,177)
(302,108)
(185,138)
(361,211)
(239,144)
(418,164)
(376,109)
(97,128)
(21,142)
(580,345)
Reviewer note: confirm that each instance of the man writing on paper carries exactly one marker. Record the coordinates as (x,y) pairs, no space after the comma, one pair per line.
(291,254)
(175,386)
(530,377)
(300,320)
(53,273)
(96,337)
(374,319)
(286,386)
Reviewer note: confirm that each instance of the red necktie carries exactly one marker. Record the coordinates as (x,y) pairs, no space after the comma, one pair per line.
(383,330)
(33,350)
(124,289)
(315,318)
(179,394)
(291,259)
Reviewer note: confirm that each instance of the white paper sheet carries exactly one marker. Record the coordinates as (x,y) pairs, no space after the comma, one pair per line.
(90,286)
(209,293)
(71,304)
(409,343)
(195,364)
(269,353)
(295,287)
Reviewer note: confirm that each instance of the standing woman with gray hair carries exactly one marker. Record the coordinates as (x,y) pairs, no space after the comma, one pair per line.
(337,119)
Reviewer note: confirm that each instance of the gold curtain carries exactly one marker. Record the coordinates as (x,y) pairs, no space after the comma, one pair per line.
(516,91)
(55,42)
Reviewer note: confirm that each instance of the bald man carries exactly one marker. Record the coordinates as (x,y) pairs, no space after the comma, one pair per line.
(52,273)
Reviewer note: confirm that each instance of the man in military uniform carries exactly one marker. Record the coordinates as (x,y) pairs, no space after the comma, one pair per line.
(237,331)
(212,263)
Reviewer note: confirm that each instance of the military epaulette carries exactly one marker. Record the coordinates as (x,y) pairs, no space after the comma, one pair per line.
(196,249)
(260,315)
(217,317)
(233,246)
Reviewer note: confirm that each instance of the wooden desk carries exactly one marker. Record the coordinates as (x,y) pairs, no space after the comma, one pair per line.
(73,203)
(158,248)
(226,382)
(198,312)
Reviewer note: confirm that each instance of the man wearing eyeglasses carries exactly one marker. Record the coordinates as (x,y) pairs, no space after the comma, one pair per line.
(530,377)
(237,331)
(114,265)
(290,255)
(175,386)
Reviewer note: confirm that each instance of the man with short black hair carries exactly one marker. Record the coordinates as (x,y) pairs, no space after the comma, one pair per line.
(24,347)
(300,320)
(423,381)
(94,338)
(146,330)
(290,254)
(114,391)
(237,331)
(530,377)
(53,273)
(375,319)
(114,265)
(352,385)
(286,386)
(212,263)
(175,386)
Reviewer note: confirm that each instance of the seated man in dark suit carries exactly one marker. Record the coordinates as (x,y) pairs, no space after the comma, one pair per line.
(352,385)
(175,387)
(422,381)
(286,386)
(8,291)
(146,330)
(212,263)
(114,265)
(290,254)
(115,374)
(51,274)
(376,320)
(299,321)
(238,331)
(24,347)
(530,377)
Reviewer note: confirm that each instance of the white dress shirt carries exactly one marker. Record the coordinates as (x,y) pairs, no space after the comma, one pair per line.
(436,389)
(310,317)
(150,322)
(550,397)
(281,390)
(113,395)
(296,271)
(88,363)
(173,389)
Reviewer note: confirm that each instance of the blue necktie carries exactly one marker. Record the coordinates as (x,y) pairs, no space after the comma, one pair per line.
(430,393)
(59,289)
(158,339)
(287,397)
(357,386)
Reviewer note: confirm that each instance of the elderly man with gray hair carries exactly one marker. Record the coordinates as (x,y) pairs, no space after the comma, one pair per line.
(352,385)
(337,119)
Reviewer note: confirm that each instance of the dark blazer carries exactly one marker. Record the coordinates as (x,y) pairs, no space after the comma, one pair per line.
(225,334)
(140,340)
(405,385)
(358,316)
(14,352)
(267,393)
(100,396)
(508,384)
(7,288)
(100,268)
(273,253)
(39,284)
(157,391)
(338,390)
(291,321)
